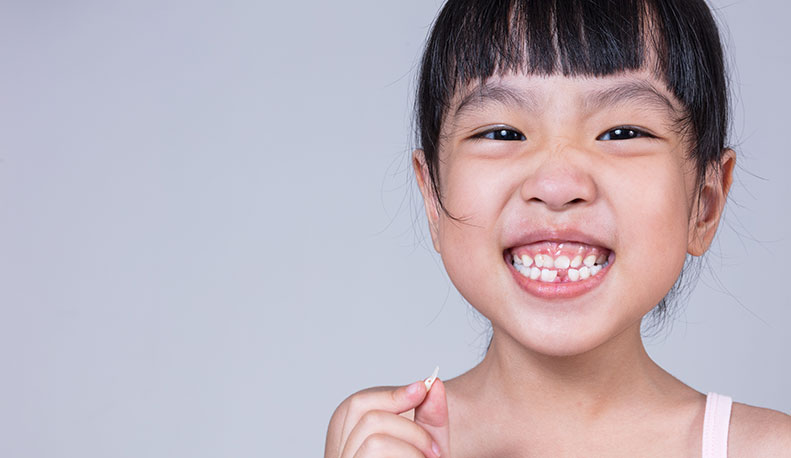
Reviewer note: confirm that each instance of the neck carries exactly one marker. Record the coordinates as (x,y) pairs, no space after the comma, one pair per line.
(612,376)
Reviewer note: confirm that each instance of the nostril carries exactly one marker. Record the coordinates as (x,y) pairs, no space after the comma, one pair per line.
(578,200)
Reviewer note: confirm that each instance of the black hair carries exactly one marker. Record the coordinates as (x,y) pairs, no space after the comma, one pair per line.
(678,40)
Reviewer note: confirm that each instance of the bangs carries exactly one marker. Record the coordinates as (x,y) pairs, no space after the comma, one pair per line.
(473,40)
(570,37)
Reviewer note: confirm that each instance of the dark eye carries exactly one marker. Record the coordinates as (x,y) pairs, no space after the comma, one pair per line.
(503,134)
(623,133)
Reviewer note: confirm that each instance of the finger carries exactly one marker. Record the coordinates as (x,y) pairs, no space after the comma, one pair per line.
(432,415)
(380,422)
(384,446)
(389,399)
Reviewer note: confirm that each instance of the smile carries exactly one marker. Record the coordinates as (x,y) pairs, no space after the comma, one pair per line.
(559,262)
(559,269)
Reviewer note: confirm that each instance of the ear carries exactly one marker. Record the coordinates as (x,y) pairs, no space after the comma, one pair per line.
(708,210)
(430,201)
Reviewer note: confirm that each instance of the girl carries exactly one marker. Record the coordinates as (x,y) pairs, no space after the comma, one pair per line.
(572,154)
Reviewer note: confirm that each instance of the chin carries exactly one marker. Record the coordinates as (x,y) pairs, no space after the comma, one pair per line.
(566,346)
(559,336)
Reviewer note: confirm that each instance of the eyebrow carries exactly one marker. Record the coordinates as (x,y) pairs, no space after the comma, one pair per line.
(485,94)
(634,92)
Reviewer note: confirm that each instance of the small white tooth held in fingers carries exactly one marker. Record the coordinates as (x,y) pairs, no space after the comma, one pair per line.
(430,381)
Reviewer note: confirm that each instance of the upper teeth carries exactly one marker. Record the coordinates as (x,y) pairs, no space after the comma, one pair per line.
(544,267)
(544,260)
(562,262)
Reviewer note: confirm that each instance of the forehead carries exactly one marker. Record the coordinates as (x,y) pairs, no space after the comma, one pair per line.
(533,94)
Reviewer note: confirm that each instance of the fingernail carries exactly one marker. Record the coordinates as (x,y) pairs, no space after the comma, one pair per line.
(435,448)
(413,388)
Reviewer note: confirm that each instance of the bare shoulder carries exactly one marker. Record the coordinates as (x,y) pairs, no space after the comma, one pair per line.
(758,432)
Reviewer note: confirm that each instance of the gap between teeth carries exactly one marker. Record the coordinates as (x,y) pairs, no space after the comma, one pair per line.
(542,267)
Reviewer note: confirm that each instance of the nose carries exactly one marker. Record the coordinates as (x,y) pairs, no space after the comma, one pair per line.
(559,183)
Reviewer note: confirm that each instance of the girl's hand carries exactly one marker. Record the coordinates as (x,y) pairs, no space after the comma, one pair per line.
(369,424)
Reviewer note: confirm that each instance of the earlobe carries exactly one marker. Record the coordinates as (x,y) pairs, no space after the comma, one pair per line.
(430,202)
(711,202)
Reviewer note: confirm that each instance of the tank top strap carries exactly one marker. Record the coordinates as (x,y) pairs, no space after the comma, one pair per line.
(715,425)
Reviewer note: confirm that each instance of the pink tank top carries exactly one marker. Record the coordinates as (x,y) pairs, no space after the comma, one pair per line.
(715,425)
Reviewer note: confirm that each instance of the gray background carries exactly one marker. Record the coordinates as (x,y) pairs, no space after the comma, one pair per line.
(209,235)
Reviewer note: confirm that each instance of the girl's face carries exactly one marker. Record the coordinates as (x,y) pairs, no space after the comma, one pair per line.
(575,204)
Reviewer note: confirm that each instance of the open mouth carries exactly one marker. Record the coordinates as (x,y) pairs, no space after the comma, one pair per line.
(559,270)
(560,262)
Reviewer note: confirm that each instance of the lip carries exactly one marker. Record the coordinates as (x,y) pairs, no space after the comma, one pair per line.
(554,235)
(565,290)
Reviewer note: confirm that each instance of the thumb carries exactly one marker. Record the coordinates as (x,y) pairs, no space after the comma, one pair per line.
(432,415)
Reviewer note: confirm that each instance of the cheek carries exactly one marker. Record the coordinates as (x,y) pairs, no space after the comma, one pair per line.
(474,193)
(653,228)
(469,188)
